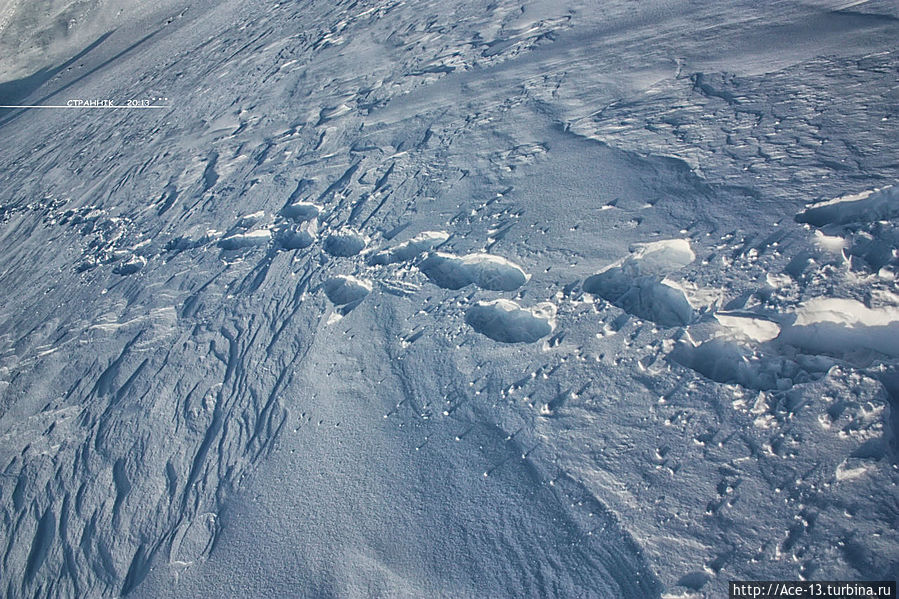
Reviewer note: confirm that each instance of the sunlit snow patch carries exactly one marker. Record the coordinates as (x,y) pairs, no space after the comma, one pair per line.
(659,257)
(829,243)
(244,240)
(637,285)
(505,321)
(301,211)
(752,328)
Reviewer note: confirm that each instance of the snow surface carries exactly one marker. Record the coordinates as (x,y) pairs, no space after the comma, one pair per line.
(448,299)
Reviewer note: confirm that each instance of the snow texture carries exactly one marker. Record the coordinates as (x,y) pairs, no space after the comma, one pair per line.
(447,299)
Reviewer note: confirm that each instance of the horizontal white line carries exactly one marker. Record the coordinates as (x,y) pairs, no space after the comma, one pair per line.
(108,107)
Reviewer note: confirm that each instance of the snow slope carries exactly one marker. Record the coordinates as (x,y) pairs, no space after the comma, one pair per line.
(450,299)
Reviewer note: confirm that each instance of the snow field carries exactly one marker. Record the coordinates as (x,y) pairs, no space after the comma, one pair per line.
(580,250)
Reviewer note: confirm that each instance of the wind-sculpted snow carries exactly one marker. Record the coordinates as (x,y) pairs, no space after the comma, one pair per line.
(410,250)
(843,327)
(507,322)
(193,540)
(449,299)
(483,270)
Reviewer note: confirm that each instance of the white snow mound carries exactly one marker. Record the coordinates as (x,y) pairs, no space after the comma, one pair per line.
(840,326)
(484,270)
(637,285)
(659,257)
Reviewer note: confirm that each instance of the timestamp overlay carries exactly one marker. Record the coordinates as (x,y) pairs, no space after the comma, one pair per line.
(771,589)
(149,103)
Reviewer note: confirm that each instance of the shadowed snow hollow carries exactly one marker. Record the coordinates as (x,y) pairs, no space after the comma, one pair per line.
(505,321)
(344,290)
(344,243)
(301,211)
(296,237)
(878,204)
